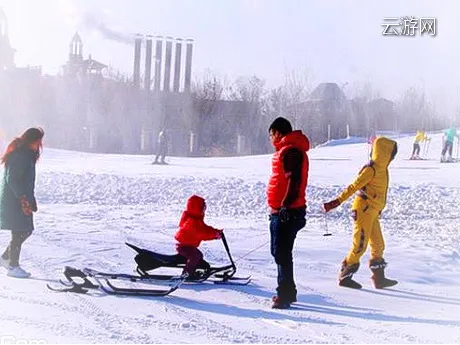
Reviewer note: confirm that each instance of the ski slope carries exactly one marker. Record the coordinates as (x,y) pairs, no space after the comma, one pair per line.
(90,204)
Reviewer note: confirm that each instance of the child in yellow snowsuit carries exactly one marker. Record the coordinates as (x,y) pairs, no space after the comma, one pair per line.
(371,187)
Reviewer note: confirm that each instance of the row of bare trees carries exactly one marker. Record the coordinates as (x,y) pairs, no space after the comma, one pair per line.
(225,109)
(410,111)
(226,116)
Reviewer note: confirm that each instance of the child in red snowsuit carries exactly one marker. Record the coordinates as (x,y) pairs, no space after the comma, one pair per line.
(193,230)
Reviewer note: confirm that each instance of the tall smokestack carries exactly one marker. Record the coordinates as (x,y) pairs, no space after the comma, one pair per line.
(137,60)
(158,58)
(148,63)
(177,63)
(188,65)
(167,80)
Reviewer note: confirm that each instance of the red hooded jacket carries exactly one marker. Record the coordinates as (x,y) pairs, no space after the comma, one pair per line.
(192,228)
(278,183)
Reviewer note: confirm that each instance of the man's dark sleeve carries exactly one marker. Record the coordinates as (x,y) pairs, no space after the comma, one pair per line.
(292,164)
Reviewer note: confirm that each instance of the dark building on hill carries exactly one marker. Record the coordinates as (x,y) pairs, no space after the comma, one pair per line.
(328,114)
(324,113)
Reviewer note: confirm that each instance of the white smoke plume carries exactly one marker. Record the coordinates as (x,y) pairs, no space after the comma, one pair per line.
(93,20)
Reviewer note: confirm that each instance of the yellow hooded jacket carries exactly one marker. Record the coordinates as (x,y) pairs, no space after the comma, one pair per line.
(420,136)
(372,181)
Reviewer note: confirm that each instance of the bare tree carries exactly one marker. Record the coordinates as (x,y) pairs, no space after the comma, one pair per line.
(207,121)
(411,110)
(361,118)
(288,100)
(252,120)
(296,88)
(277,101)
(365,91)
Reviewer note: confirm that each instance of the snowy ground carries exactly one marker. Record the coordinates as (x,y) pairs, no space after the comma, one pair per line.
(91,204)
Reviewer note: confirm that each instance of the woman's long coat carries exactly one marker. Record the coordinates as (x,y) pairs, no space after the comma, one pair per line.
(18,180)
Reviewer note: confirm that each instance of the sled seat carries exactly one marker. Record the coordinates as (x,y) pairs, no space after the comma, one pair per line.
(148,260)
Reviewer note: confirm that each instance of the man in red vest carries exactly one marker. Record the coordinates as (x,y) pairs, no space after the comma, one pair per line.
(286,196)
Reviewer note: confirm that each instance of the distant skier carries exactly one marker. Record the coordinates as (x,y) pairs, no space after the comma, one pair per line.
(419,137)
(193,230)
(448,139)
(17,196)
(162,146)
(371,187)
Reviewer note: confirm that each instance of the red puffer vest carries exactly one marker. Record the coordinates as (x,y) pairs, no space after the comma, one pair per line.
(278,183)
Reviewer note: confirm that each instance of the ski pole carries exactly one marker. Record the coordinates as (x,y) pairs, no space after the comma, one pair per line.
(458,145)
(326,233)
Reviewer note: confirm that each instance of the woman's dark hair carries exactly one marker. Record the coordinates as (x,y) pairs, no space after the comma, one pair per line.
(28,137)
(281,125)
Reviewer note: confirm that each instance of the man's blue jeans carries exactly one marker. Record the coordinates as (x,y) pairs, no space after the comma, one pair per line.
(282,237)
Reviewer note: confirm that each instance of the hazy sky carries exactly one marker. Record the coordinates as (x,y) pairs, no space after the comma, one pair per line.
(336,41)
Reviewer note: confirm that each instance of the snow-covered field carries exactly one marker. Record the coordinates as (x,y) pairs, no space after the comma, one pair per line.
(89,205)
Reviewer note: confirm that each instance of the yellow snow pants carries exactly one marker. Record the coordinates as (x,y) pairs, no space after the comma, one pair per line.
(366,230)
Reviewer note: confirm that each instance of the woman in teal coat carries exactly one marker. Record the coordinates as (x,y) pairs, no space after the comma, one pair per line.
(17,195)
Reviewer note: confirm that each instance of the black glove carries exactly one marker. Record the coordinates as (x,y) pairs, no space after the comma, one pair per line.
(284,215)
